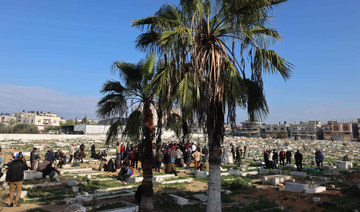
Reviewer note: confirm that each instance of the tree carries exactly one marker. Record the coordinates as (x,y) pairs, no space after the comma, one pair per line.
(221,53)
(120,97)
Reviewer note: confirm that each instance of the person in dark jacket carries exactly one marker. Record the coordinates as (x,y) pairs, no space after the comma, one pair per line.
(51,171)
(50,156)
(32,155)
(319,157)
(93,151)
(288,156)
(15,175)
(298,160)
(275,158)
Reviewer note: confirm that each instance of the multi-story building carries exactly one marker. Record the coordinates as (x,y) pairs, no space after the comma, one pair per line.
(338,131)
(277,130)
(252,128)
(40,119)
(305,130)
(5,118)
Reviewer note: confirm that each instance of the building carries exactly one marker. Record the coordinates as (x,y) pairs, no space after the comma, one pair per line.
(90,129)
(338,131)
(305,130)
(252,129)
(6,119)
(40,119)
(277,130)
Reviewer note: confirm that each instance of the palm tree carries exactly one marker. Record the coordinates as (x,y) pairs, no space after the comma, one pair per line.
(223,56)
(120,97)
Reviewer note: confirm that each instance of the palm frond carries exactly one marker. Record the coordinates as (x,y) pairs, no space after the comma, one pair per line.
(134,126)
(270,62)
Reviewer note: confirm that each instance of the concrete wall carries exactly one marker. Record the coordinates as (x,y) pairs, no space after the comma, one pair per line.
(47,137)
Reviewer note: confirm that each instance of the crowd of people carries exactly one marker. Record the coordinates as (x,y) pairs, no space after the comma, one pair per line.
(272,157)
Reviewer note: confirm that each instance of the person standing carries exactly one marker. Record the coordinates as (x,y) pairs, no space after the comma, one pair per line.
(282,157)
(35,164)
(136,157)
(238,155)
(118,151)
(275,158)
(205,151)
(32,155)
(122,151)
(15,175)
(266,158)
(93,151)
(319,157)
(1,163)
(298,160)
(179,156)
(288,156)
(271,165)
(233,151)
(246,152)
(71,152)
(197,156)
(158,159)
(187,157)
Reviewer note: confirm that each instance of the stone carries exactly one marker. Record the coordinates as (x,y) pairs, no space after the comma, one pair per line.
(72,182)
(343,164)
(31,174)
(189,180)
(297,173)
(294,187)
(135,179)
(70,200)
(75,208)
(263,171)
(315,189)
(75,189)
(293,166)
(128,209)
(276,171)
(316,199)
(179,200)
(202,197)
(275,179)
(234,172)
(84,198)
(201,174)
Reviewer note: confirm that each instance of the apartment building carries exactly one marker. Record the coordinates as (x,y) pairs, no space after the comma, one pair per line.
(338,131)
(305,130)
(40,119)
(5,118)
(252,129)
(277,130)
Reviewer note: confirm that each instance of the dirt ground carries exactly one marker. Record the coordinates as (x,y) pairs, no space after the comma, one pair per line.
(289,200)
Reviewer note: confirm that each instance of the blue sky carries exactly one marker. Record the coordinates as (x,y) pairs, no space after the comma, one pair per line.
(55,56)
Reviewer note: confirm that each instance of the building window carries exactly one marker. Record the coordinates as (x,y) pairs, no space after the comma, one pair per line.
(39,121)
(54,122)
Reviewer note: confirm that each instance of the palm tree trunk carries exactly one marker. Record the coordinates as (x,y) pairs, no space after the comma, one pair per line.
(215,127)
(159,124)
(185,127)
(146,203)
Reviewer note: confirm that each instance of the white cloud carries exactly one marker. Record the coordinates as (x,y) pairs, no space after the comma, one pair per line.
(15,98)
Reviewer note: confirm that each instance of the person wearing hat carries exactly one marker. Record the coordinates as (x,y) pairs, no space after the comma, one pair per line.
(15,175)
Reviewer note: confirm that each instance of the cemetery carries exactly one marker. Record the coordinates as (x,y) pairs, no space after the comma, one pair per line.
(248,186)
